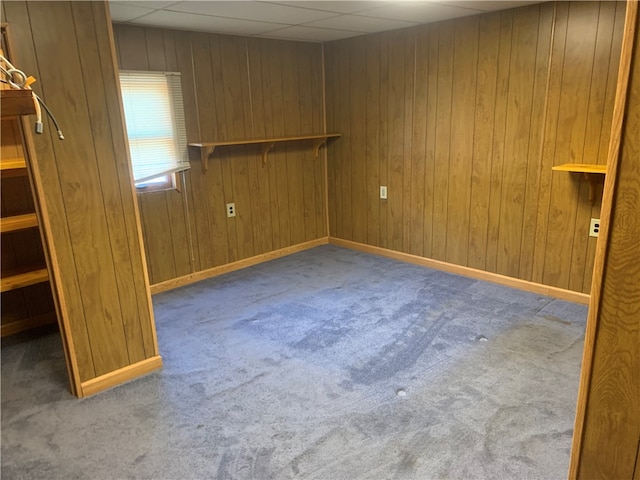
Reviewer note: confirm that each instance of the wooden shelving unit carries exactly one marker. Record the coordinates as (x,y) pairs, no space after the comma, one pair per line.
(266,144)
(590,171)
(26,304)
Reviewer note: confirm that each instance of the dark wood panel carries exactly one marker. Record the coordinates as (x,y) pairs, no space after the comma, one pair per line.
(235,88)
(607,430)
(84,185)
(473,113)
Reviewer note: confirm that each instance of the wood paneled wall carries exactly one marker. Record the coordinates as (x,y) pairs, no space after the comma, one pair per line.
(234,88)
(606,441)
(85,186)
(463,120)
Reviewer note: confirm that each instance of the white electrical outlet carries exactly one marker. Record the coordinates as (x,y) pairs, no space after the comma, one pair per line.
(231,209)
(594,230)
(383,191)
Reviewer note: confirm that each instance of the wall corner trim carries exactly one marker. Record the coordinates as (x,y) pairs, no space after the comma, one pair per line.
(122,375)
(525,285)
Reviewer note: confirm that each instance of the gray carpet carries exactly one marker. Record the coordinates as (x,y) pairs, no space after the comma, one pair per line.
(327,364)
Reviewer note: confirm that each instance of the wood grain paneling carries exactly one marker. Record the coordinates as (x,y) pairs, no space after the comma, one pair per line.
(234,88)
(472,114)
(84,183)
(607,433)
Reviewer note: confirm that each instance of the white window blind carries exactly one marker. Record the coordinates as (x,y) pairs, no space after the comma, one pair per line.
(155,123)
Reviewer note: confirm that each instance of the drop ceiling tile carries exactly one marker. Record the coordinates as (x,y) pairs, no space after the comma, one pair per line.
(336,6)
(124,13)
(258,11)
(206,23)
(419,12)
(309,34)
(487,5)
(146,4)
(356,23)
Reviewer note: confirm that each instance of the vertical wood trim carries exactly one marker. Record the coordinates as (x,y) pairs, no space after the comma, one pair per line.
(325,165)
(604,237)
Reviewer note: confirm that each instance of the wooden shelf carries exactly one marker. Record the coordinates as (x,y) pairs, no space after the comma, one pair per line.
(18,222)
(207,148)
(24,279)
(12,163)
(590,172)
(16,102)
(24,324)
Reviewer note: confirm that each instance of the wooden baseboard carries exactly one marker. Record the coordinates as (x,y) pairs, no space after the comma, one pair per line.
(231,267)
(120,376)
(25,324)
(525,285)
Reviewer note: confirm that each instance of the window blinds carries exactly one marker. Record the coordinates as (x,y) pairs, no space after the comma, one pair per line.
(155,123)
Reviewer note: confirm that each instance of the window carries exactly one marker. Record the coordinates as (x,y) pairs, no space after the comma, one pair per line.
(155,126)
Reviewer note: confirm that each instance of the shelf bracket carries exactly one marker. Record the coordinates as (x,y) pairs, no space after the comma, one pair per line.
(265,151)
(317,143)
(591,178)
(205,153)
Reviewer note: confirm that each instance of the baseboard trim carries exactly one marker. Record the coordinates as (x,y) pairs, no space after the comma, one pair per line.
(525,285)
(120,376)
(233,266)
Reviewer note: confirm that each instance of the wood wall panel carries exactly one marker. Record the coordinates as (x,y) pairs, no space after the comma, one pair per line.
(607,430)
(84,185)
(234,88)
(473,113)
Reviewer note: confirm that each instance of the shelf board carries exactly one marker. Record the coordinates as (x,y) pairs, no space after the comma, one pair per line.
(207,148)
(18,222)
(24,279)
(581,168)
(13,167)
(24,324)
(12,163)
(590,172)
(16,102)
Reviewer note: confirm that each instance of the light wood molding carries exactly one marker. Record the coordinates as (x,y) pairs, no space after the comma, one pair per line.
(465,271)
(266,144)
(118,377)
(238,265)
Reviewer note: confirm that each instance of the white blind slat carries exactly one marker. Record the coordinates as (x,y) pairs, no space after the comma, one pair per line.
(154,116)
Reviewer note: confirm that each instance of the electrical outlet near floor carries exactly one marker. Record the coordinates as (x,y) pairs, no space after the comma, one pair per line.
(594,230)
(231,209)
(383,192)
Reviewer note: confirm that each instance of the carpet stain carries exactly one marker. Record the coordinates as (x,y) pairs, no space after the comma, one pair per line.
(402,353)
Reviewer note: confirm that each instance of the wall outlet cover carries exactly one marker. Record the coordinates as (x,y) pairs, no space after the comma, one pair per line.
(594,230)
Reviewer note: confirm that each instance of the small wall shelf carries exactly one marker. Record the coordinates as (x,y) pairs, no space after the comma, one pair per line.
(266,144)
(589,170)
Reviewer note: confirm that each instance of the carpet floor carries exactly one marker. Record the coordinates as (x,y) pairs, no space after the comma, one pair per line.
(327,364)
